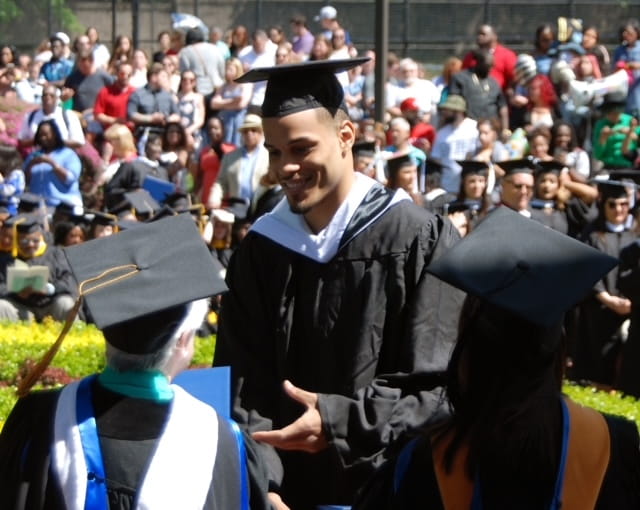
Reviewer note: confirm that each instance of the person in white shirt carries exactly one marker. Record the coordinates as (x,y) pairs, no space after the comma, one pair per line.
(411,85)
(457,137)
(68,122)
(261,54)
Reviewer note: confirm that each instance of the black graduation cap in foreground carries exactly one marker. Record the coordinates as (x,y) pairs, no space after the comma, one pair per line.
(137,285)
(523,267)
(293,88)
(153,268)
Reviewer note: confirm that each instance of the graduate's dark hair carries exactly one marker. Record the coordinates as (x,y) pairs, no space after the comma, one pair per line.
(504,385)
(62,229)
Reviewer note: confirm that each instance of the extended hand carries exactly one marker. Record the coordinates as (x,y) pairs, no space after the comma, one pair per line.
(276,501)
(305,434)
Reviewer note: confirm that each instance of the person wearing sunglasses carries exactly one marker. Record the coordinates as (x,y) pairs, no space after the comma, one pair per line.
(600,330)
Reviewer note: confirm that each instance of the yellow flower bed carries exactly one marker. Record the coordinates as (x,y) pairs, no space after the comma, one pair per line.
(82,353)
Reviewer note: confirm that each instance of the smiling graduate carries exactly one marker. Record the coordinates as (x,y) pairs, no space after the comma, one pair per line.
(329,293)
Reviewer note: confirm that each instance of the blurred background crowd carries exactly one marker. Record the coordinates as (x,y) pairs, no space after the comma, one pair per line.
(101,137)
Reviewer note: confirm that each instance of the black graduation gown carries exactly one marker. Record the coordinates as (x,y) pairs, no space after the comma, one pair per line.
(129,177)
(266,202)
(438,204)
(418,487)
(629,284)
(572,220)
(128,429)
(598,344)
(370,331)
(549,216)
(59,275)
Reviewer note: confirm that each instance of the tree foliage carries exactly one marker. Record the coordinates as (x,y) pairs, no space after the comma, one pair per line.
(9,11)
(12,10)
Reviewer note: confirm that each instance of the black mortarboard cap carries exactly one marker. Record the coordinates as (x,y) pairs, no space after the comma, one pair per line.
(553,166)
(470,167)
(127,224)
(69,210)
(142,202)
(519,166)
(157,266)
(239,207)
(293,88)
(122,209)
(463,206)
(29,202)
(625,176)
(434,166)
(613,189)
(364,148)
(178,201)
(396,163)
(164,212)
(26,223)
(521,266)
(101,218)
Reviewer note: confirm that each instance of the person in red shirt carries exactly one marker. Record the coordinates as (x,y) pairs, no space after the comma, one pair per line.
(210,158)
(504,60)
(422,134)
(111,102)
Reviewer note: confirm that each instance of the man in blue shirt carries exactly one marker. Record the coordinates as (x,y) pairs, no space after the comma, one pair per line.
(58,68)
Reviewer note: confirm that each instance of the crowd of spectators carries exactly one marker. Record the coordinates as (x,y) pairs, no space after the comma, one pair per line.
(116,136)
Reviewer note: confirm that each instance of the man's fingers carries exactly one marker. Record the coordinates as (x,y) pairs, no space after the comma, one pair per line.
(283,441)
(304,397)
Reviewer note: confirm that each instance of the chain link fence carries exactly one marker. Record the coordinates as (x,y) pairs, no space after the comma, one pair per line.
(426,30)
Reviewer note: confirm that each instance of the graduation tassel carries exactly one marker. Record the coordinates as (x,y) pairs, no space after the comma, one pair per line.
(34,374)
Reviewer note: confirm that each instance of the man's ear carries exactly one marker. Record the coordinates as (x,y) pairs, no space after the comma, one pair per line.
(346,135)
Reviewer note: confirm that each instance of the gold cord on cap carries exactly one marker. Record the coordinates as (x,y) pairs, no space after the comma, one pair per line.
(34,374)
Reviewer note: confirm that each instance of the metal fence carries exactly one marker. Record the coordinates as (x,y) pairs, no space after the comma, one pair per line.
(425,30)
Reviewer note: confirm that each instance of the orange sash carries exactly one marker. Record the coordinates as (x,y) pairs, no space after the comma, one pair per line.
(587,462)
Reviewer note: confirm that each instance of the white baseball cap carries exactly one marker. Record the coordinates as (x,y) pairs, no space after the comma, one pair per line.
(62,37)
(327,12)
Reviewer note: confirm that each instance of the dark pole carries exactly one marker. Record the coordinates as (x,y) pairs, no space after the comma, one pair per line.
(135,22)
(487,12)
(382,49)
(405,32)
(259,13)
(114,22)
(195,7)
(49,18)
